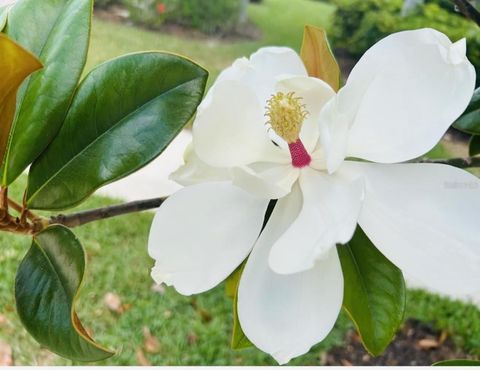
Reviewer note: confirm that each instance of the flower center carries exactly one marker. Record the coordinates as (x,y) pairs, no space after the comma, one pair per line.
(286,114)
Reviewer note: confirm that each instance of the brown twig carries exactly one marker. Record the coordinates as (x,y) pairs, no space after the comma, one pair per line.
(467,162)
(12,224)
(468,10)
(82,218)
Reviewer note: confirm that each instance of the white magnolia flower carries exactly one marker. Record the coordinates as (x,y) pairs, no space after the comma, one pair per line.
(268,131)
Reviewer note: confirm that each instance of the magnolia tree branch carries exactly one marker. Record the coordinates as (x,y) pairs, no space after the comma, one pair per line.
(82,218)
(85,217)
(468,10)
(467,162)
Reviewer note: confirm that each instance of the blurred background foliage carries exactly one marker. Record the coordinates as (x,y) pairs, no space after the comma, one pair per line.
(210,17)
(358,24)
(355,24)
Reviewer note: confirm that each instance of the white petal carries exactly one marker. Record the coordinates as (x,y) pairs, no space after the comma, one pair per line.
(266,180)
(239,71)
(230,129)
(195,171)
(202,233)
(329,215)
(270,63)
(334,129)
(315,93)
(424,218)
(285,315)
(262,70)
(402,96)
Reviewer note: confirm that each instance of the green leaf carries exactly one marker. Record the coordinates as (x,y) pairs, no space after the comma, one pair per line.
(474,146)
(375,293)
(16,64)
(123,115)
(457,363)
(46,288)
(231,283)
(58,32)
(239,339)
(469,121)
(318,57)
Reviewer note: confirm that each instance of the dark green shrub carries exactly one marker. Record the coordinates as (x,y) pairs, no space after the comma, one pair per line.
(207,16)
(358,24)
(211,17)
(148,13)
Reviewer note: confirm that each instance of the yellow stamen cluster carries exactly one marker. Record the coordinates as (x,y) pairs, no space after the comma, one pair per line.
(286,114)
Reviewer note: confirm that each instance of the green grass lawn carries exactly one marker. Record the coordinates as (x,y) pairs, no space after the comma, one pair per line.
(117,253)
(118,262)
(281,22)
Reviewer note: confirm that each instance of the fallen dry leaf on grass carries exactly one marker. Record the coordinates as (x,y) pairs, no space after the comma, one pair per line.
(428,343)
(443,337)
(45,358)
(3,320)
(192,338)
(150,343)
(346,362)
(158,288)
(204,314)
(113,303)
(142,359)
(6,354)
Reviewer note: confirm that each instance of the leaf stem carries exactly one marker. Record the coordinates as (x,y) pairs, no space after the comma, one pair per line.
(22,210)
(3,203)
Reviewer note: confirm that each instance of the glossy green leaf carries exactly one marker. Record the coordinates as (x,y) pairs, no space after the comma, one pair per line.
(58,32)
(457,363)
(46,288)
(231,283)
(474,146)
(375,293)
(123,115)
(469,121)
(239,339)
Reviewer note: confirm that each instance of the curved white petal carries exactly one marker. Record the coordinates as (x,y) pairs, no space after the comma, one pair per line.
(202,233)
(285,315)
(195,171)
(261,71)
(269,64)
(239,71)
(401,97)
(329,215)
(230,130)
(424,218)
(315,93)
(266,180)
(334,126)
